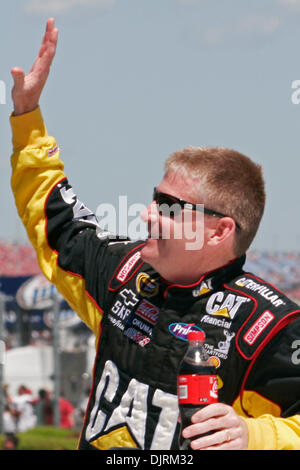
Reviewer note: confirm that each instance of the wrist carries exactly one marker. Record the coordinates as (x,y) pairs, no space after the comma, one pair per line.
(18,110)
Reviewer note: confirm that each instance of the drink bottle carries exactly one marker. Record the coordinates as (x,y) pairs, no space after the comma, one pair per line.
(197,384)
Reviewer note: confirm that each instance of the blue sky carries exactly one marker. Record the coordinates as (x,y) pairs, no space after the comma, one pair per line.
(135,80)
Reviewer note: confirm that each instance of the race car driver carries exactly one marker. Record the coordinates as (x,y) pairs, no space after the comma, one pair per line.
(141,299)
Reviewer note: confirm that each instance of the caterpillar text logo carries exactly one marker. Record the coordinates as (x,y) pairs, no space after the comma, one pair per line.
(262,290)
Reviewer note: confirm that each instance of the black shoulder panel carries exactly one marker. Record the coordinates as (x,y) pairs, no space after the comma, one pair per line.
(272,311)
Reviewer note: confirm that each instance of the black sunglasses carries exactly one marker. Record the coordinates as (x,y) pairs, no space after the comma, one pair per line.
(171,206)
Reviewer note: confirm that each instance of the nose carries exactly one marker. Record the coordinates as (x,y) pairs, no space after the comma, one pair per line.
(150,213)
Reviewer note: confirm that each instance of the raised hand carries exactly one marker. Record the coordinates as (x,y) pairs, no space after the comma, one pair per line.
(28,88)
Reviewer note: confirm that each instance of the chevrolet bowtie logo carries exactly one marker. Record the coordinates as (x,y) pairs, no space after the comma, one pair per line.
(130,299)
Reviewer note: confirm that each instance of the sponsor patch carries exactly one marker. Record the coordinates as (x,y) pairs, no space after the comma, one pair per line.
(204,288)
(262,290)
(259,326)
(127,267)
(129,297)
(137,336)
(148,311)
(146,286)
(225,305)
(220,322)
(215,361)
(181,330)
(52,151)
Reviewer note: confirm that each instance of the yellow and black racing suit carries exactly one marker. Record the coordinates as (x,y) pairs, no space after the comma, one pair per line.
(141,322)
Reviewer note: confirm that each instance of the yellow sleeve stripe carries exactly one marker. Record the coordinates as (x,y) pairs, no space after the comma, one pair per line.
(36,171)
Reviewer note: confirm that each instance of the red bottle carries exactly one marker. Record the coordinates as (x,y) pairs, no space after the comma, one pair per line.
(197,384)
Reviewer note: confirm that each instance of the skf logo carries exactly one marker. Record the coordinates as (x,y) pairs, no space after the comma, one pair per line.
(225,305)
(146,286)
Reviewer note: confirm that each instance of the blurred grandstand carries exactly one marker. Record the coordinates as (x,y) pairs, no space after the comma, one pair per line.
(17,260)
(281,269)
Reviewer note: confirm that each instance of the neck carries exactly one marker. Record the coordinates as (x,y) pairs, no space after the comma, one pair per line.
(192,276)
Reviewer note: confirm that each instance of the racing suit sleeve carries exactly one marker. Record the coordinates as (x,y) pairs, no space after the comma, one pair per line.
(60,228)
(271,399)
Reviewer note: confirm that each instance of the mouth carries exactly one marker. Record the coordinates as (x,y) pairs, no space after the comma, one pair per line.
(154,233)
(154,236)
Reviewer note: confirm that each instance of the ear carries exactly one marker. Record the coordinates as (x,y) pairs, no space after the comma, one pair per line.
(222,232)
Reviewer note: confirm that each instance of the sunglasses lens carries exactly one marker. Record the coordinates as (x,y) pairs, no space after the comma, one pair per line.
(167,205)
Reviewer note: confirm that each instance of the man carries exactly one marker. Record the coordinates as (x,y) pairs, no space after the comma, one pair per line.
(23,405)
(141,299)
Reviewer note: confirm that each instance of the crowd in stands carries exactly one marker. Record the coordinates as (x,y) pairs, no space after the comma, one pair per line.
(17,260)
(281,269)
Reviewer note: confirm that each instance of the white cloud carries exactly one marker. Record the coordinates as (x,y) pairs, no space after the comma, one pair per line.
(189,2)
(245,27)
(259,24)
(52,7)
(290,3)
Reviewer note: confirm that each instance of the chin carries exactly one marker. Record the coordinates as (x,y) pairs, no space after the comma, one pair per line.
(150,252)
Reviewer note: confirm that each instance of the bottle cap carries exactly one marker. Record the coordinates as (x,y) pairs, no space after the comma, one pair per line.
(196,335)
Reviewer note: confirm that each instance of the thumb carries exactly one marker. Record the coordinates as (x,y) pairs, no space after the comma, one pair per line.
(18,76)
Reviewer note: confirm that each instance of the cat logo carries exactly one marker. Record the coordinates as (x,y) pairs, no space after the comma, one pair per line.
(204,288)
(224,305)
(146,286)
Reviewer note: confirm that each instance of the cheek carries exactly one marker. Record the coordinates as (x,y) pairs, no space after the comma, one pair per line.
(166,228)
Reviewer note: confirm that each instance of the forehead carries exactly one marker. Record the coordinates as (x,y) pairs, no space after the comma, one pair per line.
(181,186)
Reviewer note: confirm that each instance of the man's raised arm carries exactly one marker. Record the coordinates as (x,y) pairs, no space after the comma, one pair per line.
(61,232)
(28,88)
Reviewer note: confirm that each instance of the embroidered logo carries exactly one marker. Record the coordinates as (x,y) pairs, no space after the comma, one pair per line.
(146,286)
(128,266)
(181,330)
(52,151)
(259,326)
(148,311)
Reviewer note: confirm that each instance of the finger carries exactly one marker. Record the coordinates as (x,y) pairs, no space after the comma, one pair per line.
(232,445)
(212,424)
(50,24)
(48,46)
(45,57)
(220,438)
(210,411)
(18,76)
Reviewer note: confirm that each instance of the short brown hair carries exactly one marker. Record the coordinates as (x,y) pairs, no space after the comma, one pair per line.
(231,184)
